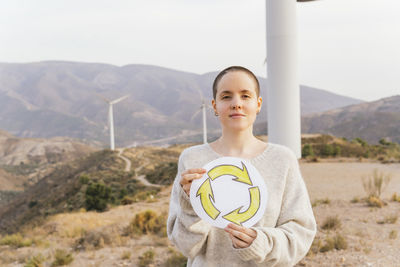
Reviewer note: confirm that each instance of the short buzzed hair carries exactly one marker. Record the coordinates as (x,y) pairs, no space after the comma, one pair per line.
(232,69)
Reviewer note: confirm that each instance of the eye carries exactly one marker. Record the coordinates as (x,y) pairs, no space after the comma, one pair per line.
(225,97)
(246,96)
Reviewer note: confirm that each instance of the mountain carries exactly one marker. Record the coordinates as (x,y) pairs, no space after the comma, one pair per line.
(57,98)
(36,151)
(371,121)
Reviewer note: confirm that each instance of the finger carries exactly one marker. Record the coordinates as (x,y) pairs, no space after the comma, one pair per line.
(186,188)
(188,178)
(196,170)
(248,231)
(241,236)
(237,243)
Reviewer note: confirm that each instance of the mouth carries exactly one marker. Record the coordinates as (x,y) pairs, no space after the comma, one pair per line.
(237,115)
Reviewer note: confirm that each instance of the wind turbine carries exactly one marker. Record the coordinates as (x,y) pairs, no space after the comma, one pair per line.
(283,101)
(111,117)
(203,109)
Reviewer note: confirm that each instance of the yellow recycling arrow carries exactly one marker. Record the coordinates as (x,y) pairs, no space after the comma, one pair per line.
(241,174)
(206,194)
(238,217)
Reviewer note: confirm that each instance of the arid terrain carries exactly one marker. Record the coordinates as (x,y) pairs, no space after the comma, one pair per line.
(368,235)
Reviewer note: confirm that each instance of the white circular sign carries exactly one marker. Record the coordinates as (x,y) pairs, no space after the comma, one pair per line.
(231,191)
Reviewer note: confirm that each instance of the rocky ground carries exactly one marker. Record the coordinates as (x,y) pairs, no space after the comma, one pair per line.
(369,235)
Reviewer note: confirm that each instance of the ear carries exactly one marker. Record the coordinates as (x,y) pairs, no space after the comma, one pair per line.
(259,103)
(214,105)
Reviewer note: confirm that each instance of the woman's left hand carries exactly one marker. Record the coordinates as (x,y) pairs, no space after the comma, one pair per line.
(241,237)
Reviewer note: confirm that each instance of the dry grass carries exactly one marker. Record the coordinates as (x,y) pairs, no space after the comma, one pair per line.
(176,259)
(390,219)
(317,202)
(35,261)
(146,258)
(126,255)
(337,242)
(147,222)
(393,234)
(61,258)
(374,184)
(395,197)
(331,223)
(16,241)
(376,202)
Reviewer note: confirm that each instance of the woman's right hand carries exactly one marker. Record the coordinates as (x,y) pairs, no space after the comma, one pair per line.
(188,176)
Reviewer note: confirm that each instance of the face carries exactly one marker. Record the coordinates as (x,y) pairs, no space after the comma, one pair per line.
(236,102)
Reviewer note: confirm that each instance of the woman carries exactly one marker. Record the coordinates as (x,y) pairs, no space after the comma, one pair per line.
(284,234)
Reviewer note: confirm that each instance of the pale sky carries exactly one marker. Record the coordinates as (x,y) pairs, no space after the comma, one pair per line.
(349,47)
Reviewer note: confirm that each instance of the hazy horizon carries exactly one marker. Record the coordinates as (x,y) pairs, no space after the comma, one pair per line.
(348,47)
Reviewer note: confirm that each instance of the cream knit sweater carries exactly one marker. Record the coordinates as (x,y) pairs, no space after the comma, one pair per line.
(284,234)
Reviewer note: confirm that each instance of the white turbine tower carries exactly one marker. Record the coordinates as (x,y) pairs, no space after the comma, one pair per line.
(203,108)
(111,117)
(283,101)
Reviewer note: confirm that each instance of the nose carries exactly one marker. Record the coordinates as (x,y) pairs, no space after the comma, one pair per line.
(236,103)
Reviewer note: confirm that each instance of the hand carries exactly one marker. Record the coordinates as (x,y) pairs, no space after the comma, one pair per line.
(241,237)
(188,176)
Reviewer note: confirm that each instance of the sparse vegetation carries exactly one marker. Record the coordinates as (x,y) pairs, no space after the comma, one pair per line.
(307,151)
(146,258)
(390,219)
(374,185)
(16,241)
(176,259)
(393,234)
(395,197)
(337,242)
(35,261)
(163,173)
(355,200)
(376,202)
(97,196)
(61,258)
(126,255)
(317,202)
(331,223)
(147,222)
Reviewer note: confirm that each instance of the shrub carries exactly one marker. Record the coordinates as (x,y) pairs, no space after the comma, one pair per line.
(307,151)
(176,260)
(146,258)
(163,173)
(375,202)
(97,196)
(16,241)
(126,255)
(360,141)
(327,150)
(392,219)
(395,197)
(146,222)
(393,234)
(321,201)
(355,200)
(331,223)
(61,258)
(35,261)
(375,183)
(337,242)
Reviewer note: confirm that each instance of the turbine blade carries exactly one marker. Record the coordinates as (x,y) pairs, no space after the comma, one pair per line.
(118,100)
(194,115)
(102,97)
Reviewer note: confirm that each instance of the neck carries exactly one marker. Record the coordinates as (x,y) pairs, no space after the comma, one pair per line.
(236,143)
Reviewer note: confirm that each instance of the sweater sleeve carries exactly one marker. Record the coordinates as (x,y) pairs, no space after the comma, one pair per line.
(290,240)
(184,228)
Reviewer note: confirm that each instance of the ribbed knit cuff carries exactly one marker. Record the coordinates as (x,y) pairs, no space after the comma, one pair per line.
(258,250)
(184,201)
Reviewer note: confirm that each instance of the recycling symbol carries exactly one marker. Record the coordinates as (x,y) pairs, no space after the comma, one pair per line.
(231,191)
